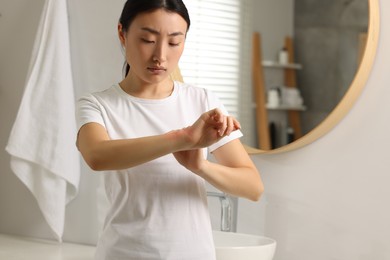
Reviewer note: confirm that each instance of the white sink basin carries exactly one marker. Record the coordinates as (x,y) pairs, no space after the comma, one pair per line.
(237,246)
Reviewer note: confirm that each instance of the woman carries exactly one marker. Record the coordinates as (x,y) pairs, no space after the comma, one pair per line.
(149,134)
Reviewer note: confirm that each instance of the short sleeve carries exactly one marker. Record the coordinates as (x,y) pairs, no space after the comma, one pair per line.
(214,102)
(88,110)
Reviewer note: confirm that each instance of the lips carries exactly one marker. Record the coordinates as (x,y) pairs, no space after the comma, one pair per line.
(157,69)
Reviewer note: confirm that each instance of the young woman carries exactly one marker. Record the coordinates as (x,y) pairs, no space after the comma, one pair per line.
(149,134)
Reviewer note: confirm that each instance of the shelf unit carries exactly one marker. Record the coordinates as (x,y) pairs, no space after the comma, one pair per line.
(285,107)
(262,122)
(277,65)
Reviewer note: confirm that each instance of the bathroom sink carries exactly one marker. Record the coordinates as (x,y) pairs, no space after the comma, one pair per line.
(237,246)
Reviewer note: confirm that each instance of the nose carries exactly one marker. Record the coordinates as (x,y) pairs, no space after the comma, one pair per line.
(160,52)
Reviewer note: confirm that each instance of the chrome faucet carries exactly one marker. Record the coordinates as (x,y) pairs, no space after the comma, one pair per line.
(226,210)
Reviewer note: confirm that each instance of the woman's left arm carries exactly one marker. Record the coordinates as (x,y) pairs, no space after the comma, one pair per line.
(234,172)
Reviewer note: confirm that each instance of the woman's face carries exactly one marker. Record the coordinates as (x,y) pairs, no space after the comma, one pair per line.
(154,44)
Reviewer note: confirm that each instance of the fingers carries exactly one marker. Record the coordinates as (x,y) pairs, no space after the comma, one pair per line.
(236,124)
(231,125)
(214,117)
(225,125)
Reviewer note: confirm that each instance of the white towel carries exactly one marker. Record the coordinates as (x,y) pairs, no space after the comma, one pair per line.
(42,140)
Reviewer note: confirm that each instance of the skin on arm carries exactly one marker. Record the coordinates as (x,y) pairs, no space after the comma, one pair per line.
(102,153)
(234,172)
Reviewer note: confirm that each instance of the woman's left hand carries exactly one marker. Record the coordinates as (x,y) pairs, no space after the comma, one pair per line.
(212,123)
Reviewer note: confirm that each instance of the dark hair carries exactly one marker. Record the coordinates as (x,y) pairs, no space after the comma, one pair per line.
(134,7)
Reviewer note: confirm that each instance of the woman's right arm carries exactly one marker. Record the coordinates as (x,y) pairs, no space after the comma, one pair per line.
(102,153)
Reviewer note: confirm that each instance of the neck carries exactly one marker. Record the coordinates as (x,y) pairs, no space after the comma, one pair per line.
(134,86)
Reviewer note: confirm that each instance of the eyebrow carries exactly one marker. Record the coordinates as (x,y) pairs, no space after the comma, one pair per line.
(147,29)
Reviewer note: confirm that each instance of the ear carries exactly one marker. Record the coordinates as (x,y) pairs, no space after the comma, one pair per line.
(121,34)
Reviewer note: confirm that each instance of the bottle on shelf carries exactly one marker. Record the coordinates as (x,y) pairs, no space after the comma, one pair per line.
(273,134)
(283,56)
(273,98)
(290,134)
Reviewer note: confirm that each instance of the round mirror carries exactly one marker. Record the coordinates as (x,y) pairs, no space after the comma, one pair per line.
(334,45)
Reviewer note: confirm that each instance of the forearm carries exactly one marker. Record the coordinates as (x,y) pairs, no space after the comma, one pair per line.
(127,153)
(102,153)
(241,181)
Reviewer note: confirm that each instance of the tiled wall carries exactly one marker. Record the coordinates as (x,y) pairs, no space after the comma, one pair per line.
(327,45)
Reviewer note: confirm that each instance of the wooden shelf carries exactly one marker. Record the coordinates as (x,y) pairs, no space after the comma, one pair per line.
(258,66)
(263,133)
(274,64)
(286,107)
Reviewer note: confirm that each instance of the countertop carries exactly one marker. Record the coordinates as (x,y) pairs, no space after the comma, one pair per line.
(22,248)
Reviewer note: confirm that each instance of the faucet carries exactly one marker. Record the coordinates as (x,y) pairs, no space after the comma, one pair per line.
(226,210)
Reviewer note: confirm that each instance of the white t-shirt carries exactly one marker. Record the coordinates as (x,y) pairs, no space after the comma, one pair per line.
(158,210)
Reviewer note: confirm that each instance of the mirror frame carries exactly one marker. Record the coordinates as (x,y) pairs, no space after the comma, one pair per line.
(350,97)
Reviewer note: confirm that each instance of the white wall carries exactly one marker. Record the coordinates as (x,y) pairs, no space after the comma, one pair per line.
(273,19)
(328,200)
(18,26)
(97,63)
(331,199)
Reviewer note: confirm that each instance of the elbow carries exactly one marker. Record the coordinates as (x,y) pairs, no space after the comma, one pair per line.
(94,154)
(94,162)
(258,190)
(257,195)
(257,187)
(95,165)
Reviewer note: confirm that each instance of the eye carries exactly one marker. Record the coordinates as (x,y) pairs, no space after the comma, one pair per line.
(174,44)
(146,41)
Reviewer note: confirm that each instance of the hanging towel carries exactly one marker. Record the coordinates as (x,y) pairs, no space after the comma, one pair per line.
(42,140)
